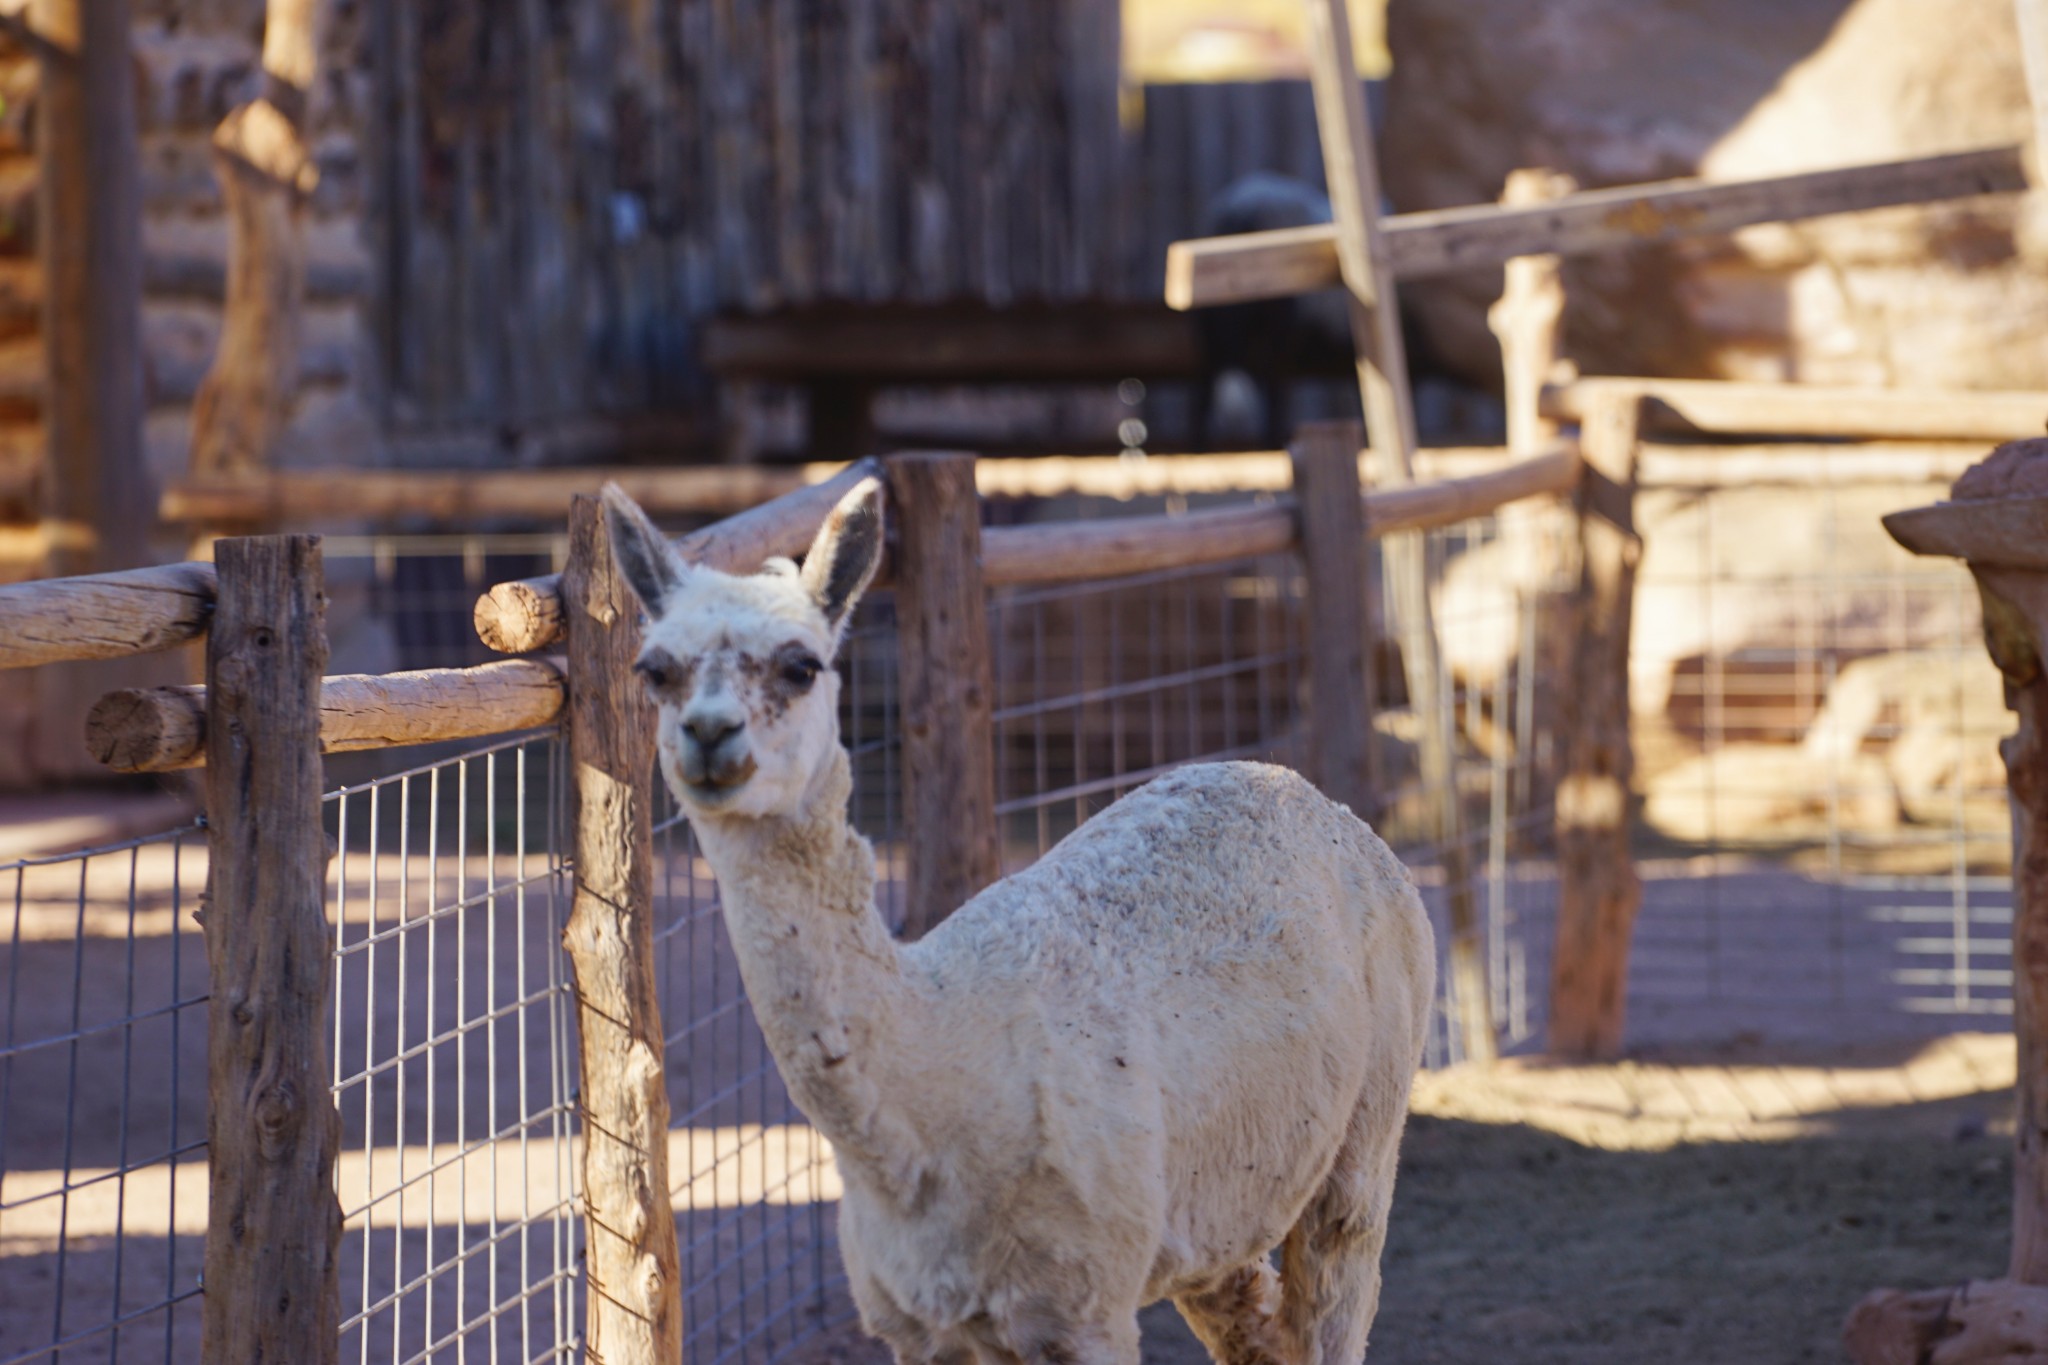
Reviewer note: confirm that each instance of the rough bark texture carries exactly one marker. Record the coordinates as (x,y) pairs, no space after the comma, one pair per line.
(2026,763)
(146,730)
(1333,551)
(267,176)
(1984,1322)
(635,1301)
(1353,178)
(273,1223)
(1598,889)
(942,642)
(104,616)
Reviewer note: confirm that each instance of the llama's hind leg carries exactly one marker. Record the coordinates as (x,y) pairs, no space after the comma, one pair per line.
(1238,1317)
(1330,1262)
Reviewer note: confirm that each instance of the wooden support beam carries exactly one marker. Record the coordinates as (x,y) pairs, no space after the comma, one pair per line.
(160,729)
(947,686)
(273,1227)
(267,174)
(1203,272)
(104,616)
(2033,25)
(309,497)
(1112,547)
(1719,407)
(1367,272)
(1333,546)
(1598,888)
(1528,316)
(519,617)
(635,1303)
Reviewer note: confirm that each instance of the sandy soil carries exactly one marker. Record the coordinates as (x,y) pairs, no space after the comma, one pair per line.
(1637,1240)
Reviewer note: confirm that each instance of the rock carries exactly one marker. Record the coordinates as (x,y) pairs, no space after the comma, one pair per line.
(1769,793)
(1945,712)
(1615,91)
(1722,571)
(1978,1323)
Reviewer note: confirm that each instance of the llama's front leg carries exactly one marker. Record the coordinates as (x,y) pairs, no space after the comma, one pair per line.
(1238,1317)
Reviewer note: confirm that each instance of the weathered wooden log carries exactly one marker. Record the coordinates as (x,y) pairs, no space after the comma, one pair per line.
(2012,581)
(160,729)
(1333,548)
(1984,1322)
(635,1308)
(1598,889)
(304,498)
(518,617)
(1813,409)
(947,686)
(1214,270)
(1112,547)
(1365,267)
(267,175)
(1528,316)
(273,1228)
(104,616)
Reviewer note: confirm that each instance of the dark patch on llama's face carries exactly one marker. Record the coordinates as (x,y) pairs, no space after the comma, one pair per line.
(782,679)
(666,676)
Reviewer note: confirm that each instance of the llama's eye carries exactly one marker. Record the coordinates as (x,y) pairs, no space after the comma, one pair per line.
(656,673)
(801,671)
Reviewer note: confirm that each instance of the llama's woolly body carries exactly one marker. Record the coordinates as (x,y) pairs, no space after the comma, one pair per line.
(1180,1039)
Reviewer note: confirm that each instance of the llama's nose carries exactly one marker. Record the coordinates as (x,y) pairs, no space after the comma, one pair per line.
(709,730)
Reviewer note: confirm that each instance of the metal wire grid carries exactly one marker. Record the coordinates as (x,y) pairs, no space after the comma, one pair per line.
(103,1104)
(405,601)
(753,1183)
(454,1061)
(1502,767)
(1833,811)
(1103,686)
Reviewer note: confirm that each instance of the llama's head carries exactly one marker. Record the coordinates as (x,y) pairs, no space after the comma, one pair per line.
(741,667)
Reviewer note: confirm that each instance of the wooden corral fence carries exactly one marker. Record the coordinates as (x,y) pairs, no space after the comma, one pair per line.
(265,715)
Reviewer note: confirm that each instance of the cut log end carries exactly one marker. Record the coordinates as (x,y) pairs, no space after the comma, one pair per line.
(148,729)
(517,618)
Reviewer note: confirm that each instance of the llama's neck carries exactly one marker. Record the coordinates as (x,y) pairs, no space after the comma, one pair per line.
(824,975)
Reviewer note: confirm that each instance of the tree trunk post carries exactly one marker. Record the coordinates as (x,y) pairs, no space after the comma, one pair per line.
(1598,889)
(948,690)
(273,1229)
(1352,172)
(635,1309)
(97,505)
(1333,544)
(267,175)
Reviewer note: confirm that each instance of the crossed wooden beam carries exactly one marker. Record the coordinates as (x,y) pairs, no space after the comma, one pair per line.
(1367,255)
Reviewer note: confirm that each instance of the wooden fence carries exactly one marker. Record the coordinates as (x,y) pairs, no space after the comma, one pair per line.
(265,715)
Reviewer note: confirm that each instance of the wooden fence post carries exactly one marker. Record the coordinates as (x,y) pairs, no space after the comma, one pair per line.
(273,1230)
(635,1309)
(1333,548)
(1598,890)
(948,691)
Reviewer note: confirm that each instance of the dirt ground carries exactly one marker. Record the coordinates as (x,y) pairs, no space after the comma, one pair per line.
(1701,1222)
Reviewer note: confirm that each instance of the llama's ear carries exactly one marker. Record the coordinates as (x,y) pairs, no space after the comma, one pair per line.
(848,550)
(646,560)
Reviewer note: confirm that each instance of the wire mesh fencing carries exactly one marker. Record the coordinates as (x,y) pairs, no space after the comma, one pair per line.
(103,1103)
(454,1060)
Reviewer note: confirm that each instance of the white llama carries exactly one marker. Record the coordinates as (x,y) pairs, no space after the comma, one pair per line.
(1182,1038)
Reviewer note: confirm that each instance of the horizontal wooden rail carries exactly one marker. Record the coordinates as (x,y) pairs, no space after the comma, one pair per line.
(516,618)
(1213,270)
(300,498)
(158,729)
(1814,409)
(1118,546)
(104,616)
